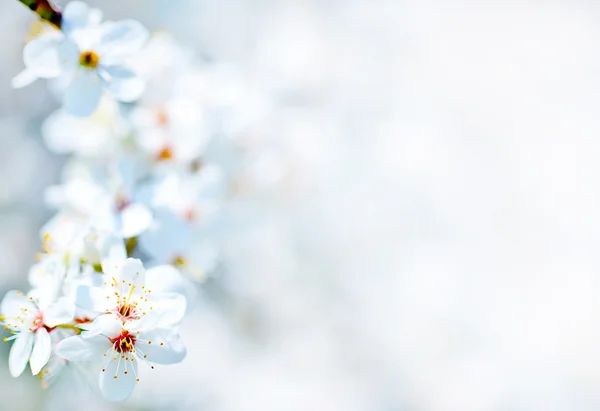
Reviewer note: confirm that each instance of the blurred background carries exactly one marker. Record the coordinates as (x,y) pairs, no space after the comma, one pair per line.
(425,234)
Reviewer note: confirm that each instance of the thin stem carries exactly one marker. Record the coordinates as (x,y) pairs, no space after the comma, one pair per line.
(45,10)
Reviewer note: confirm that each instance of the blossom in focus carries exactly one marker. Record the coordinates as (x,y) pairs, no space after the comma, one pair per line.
(148,180)
(31,318)
(88,57)
(124,292)
(117,348)
(136,325)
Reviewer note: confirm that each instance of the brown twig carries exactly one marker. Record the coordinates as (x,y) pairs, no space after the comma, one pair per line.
(45,10)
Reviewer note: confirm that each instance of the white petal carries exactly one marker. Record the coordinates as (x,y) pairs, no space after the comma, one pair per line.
(135,219)
(41,351)
(172,350)
(169,309)
(145,322)
(112,250)
(41,56)
(91,298)
(24,78)
(57,133)
(120,40)
(83,93)
(106,325)
(166,278)
(121,387)
(76,15)
(95,16)
(202,261)
(168,238)
(131,271)
(77,348)
(64,133)
(14,303)
(59,312)
(19,353)
(123,83)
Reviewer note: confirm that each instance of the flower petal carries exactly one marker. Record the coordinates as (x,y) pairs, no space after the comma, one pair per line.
(91,299)
(164,347)
(24,78)
(135,219)
(112,250)
(201,263)
(120,40)
(41,351)
(118,378)
(83,93)
(57,133)
(107,325)
(19,353)
(41,56)
(169,309)
(168,238)
(14,303)
(59,312)
(124,84)
(76,15)
(131,271)
(166,278)
(77,348)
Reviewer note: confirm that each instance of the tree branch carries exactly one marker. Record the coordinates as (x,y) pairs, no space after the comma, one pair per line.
(45,10)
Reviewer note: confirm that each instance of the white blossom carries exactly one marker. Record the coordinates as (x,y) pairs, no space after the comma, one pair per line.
(31,318)
(135,325)
(141,204)
(102,134)
(108,203)
(88,56)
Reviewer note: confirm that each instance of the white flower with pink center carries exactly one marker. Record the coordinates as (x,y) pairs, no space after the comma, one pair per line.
(31,318)
(118,341)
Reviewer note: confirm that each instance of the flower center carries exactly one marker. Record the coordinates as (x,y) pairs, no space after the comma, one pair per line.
(162,118)
(165,154)
(121,202)
(178,261)
(126,310)
(38,322)
(124,342)
(190,215)
(89,59)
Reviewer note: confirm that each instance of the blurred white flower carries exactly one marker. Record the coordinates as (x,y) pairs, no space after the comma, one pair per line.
(172,240)
(174,131)
(90,56)
(193,196)
(102,134)
(107,203)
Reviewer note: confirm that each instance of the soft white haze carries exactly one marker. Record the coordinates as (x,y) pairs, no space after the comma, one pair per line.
(415,226)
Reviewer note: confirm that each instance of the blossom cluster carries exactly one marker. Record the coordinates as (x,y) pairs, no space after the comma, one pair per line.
(136,210)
